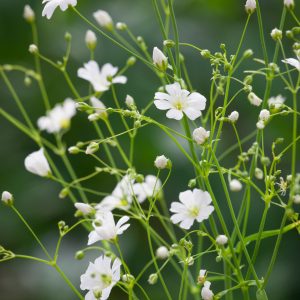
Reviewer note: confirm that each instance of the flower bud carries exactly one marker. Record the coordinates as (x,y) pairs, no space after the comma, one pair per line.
(250,6)
(104,19)
(200,135)
(92,148)
(260,124)
(28,14)
(254,100)
(90,40)
(289,4)
(37,163)
(264,115)
(233,117)
(129,101)
(73,150)
(121,26)
(162,252)
(79,255)
(161,162)
(235,185)
(169,43)
(131,61)
(221,240)
(152,278)
(33,49)
(248,53)
(159,59)
(84,208)
(258,173)
(276,34)
(7,198)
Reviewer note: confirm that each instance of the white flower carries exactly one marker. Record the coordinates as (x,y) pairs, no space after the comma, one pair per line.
(28,14)
(121,196)
(276,34)
(250,6)
(129,101)
(103,19)
(106,229)
(99,107)
(33,48)
(51,5)
(100,277)
(7,198)
(206,292)
(149,188)
(276,103)
(159,59)
(161,162)
(178,101)
(260,124)
(58,118)
(92,148)
(162,252)
(254,100)
(293,62)
(264,115)
(202,276)
(194,206)
(91,39)
(234,116)
(289,3)
(200,135)
(221,239)
(102,79)
(235,185)
(37,163)
(86,209)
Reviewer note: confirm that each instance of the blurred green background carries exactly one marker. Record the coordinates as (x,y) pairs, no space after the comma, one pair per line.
(204,23)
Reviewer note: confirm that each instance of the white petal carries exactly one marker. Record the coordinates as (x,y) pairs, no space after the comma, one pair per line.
(293,62)
(93,237)
(174,114)
(162,104)
(161,96)
(173,89)
(120,79)
(186,223)
(192,114)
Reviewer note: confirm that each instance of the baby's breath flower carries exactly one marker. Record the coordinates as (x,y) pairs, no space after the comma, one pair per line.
(202,276)
(159,59)
(206,292)
(221,240)
(264,115)
(28,14)
(161,162)
(289,3)
(250,6)
(129,101)
(51,6)
(104,19)
(7,198)
(84,208)
(235,185)
(99,107)
(121,26)
(37,163)
(193,205)
(259,174)
(276,103)
(200,135)
(150,187)
(73,150)
(92,148)
(297,199)
(90,39)
(293,62)
(254,100)
(162,252)
(100,277)
(234,116)
(276,34)
(260,124)
(33,49)
(178,101)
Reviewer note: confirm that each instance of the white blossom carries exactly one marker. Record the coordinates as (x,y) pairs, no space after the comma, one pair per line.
(159,59)
(103,19)
(202,276)
(161,162)
(254,100)
(91,39)
(51,5)
(264,115)
(289,3)
(293,61)
(100,79)
(221,239)
(33,48)
(206,292)
(179,101)
(7,198)
(193,205)
(234,116)
(28,14)
(105,227)
(260,124)
(235,185)
(37,163)
(86,209)
(100,277)
(200,135)
(276,34)
(92,148)
(99,107)
(162,252)
(250,6)
(59,118)
(276,103)
(149,188)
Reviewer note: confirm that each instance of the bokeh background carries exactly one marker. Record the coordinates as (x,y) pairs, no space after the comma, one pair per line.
(204,23)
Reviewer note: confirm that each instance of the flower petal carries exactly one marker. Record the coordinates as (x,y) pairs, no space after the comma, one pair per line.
(175,114)
(162,104)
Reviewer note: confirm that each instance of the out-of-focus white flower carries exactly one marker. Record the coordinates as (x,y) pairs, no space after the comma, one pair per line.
(276,103)
(86,209)
(159,59)
(99,107)
(37,163)
(297,199)
(161,162)
(51,6)
(104,19)
(121,196)
(149,188)
(254,100)
(100,277)
(33,48)
(235,185)
(59,118)
(234,116)
(250,6)
(259,174)
(260,124)
(92,148)
(7,198)
(28,14)
(152,279)
(293,61)
(276,34)
(202,276)
(106,229)
(193,205)
(102,79)
(179,101)
(289,3)
(206,292)
(200,135)
(121,26)
(221,240)
(264,115)
(162,252)
(91,39)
